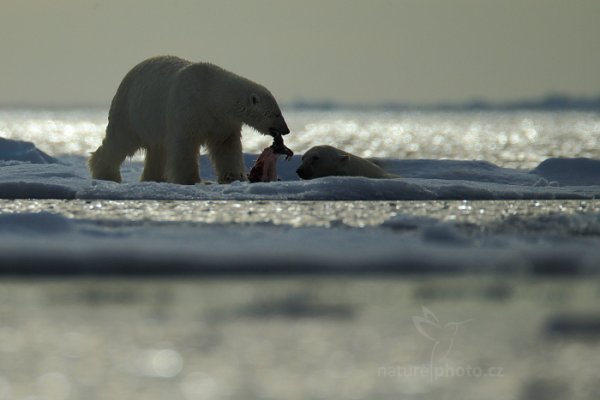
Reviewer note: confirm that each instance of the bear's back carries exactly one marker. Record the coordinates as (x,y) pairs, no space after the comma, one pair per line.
(142,95)
(153,76)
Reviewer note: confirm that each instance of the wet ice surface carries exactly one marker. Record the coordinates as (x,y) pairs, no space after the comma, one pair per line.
(298,339)
(485,214)
(257,238)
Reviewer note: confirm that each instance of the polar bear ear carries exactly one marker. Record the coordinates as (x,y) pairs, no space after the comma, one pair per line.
(254,99)
(344,158)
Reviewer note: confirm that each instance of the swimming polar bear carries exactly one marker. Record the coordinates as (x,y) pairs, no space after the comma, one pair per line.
(322,161)
(170,107)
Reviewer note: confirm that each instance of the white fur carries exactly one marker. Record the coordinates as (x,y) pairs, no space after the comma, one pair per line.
(322,161)
(170,107)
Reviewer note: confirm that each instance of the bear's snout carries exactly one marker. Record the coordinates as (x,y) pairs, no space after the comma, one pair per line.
(301,172)
(276,131)
(280,128)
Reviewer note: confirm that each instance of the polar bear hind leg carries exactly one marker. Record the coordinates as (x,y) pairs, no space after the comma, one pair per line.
(105,162)
(154,165)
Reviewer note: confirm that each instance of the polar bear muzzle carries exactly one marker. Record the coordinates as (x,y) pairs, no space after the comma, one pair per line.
(279,127)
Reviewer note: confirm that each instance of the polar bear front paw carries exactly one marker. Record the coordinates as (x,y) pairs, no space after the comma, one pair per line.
(232,177)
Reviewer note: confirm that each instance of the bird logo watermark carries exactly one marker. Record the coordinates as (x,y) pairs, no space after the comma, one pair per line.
(442,335)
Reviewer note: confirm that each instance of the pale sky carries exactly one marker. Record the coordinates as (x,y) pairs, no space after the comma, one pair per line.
(354,51)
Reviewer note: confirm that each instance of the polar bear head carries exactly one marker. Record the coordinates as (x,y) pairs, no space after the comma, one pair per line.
(261,112)
(322,161)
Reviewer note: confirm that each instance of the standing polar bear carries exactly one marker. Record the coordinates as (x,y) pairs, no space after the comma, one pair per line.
(170,107)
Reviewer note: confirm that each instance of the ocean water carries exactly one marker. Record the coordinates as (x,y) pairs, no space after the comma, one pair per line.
(510,139)
(298,338)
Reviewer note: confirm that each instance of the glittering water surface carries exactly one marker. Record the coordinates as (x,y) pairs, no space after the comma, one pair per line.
(486,215)
(510,139)
(297,339)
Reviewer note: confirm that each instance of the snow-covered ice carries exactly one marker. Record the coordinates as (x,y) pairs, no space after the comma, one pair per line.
(33,174)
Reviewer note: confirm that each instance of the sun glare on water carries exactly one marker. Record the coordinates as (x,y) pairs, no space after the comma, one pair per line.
(510,139)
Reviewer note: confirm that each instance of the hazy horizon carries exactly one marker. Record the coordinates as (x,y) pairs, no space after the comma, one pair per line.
(345,51)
